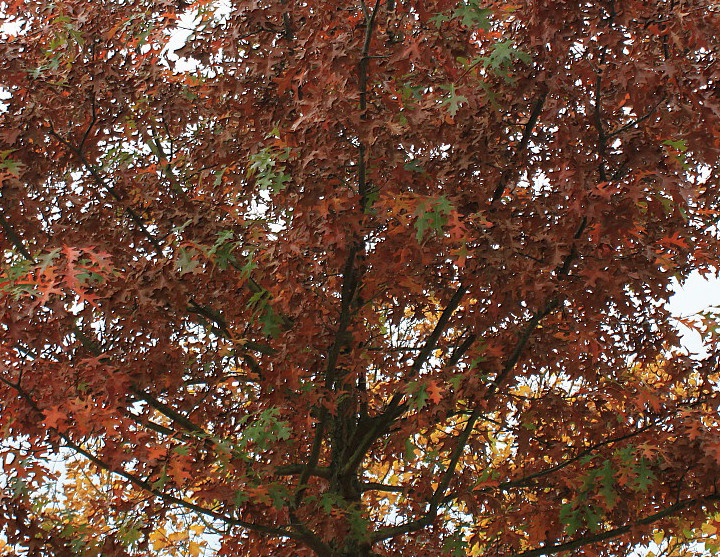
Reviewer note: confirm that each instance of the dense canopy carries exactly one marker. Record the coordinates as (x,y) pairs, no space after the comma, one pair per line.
(354,278)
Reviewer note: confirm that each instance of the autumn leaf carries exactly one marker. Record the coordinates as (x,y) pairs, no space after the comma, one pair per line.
(434,391)
(302,278)
(55,417)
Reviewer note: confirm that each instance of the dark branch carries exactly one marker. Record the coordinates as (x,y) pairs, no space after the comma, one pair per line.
(521,146)
(147,487)
(168,412)
(375,486)
(395,407)
(438,497)
(636,122)
(100,181)
(522,342)
(294,469)
(552,549)
(597,118)
(11,235)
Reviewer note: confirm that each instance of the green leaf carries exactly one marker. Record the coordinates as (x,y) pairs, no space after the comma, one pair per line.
(472,15)
(410,449)
(571,518)
(265,428)
(264,167)
(606,474)
(130,532)
(330,500)
(417,390)
(432,215)
(271,322)
(469,13)
(455,381)
(679,145)
(17,487)
(279,494)
(454,101)
(359,524)
(222,250)
(413,166)
(248,268)
(161,481)
(592,518)
(455,545)
(186,263)
(257,299)
(626,454)
(645,476)
(410,93)
(504,54)
(12,166)
(46,259)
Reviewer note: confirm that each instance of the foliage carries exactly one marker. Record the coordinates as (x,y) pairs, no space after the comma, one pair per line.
(356,278)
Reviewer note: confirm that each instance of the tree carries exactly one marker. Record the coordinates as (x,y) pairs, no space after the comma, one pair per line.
(356,278)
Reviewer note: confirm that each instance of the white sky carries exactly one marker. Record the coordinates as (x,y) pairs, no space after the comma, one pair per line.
(695,295)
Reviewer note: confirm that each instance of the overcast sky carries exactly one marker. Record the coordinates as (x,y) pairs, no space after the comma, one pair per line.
(697,294)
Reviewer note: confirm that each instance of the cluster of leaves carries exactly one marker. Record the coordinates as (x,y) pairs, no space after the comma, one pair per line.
(353,279)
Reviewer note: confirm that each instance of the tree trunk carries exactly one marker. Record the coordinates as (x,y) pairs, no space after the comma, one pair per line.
(354,549)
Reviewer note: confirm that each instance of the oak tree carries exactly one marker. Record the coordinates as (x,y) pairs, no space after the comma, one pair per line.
(371,277)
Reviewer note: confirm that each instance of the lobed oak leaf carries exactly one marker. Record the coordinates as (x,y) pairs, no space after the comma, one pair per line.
(675,241)
(457,223)
(434,391)
(55,417)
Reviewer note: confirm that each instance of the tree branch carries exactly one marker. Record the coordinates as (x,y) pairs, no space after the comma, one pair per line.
(524,140)
(438,497)
(294,469)
(351,276)
(552,549)
(522,342)
(362,78)
(147,487)
(100,181)
(168,412)
(597,118)
(375,486)
(11,235)
(636,122)
(526,480)
(395,406)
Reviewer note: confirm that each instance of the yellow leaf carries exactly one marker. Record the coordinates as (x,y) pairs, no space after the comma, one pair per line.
(197,529)
(194,549)
(658,536)
(179,536)
(159,542)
